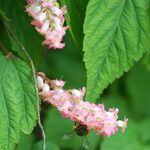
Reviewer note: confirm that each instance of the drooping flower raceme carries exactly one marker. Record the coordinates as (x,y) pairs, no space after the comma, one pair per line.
(48,20)
(71,105)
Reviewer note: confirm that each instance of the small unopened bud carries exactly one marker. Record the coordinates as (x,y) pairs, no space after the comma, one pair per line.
(46,87)
(56,10)
(122,124)
(59,83)
(44,27)
(40,82)
(76,93)
(42,16)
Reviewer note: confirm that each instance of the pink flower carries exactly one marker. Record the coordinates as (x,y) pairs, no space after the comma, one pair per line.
(30,1)
(48,20)
(53,38)
(59,83)
(122,124)
(71,105)
(48,4)
(78,93)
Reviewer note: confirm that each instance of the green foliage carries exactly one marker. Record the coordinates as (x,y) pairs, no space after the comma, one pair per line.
(53,63)
(116,35)
(56,136)
(138,84)
(66,64)
(16,47)
(119,102)
(144,130)
(18,109)
(127,141)
(146,61)
(25,142)
(75,17)
(20,25)
(49,146)
(2,16)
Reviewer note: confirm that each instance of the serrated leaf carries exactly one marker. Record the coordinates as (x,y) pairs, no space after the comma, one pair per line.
(116,35)
(75,18)
(18,101)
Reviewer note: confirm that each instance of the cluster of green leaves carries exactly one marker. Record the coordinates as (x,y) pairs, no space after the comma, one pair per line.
(113,35)
(18,92)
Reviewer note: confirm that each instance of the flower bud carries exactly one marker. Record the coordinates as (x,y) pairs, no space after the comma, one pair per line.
(40,82)
(46,87)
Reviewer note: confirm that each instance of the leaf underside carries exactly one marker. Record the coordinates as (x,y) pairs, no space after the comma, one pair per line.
(116,35)
(18,109)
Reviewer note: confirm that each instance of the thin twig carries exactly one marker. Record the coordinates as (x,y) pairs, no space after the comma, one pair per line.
(4,48)
(34,76)
(6,51)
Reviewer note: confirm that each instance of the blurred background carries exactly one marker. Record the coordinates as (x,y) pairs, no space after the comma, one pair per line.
(130,93)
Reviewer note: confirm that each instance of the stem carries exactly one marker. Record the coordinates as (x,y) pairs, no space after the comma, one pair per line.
(6,51)
(34,76)
(4,48)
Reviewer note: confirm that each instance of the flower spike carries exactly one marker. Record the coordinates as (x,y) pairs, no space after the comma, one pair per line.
(48,19)
(71,105)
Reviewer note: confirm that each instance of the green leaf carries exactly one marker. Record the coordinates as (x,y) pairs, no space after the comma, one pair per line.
(18,101)
(75,18)
(116,35)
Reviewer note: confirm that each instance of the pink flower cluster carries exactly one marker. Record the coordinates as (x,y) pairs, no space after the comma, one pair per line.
(48,20)
(71,105)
